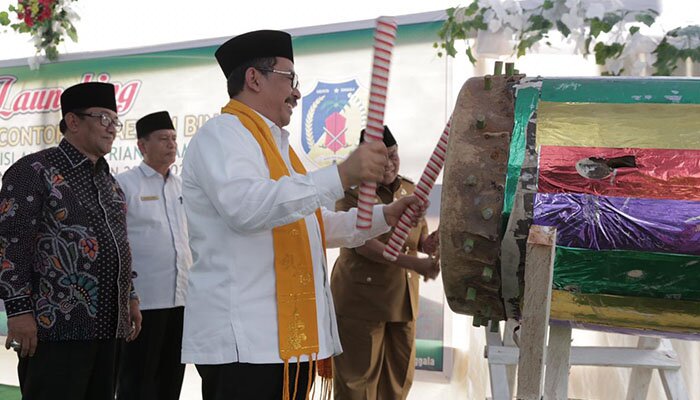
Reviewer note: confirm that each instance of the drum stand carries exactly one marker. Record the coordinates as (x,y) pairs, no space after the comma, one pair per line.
(529,356)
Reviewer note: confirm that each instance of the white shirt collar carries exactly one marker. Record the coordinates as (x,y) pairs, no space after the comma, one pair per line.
(149,171)
(277,132)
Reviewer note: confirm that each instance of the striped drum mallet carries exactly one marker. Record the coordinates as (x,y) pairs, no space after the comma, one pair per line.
(425,185)
(384,37)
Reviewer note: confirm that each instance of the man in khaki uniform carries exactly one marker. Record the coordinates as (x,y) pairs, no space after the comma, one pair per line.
(376,302)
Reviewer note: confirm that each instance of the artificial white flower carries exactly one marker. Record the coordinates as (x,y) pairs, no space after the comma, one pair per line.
(494,25)
(618,34)
(579,41)
(498,8)
(555,13)
(684,42)
(37,37)
(460,15)
(595,10)
(615,5)
(71,15)
(509,4)
(34,63)
(572,21)
(514,21)
(513,7)
(572,4)
(508,32)
(614,65)
(639,43)
(651,58)
(489,15)
(636,69)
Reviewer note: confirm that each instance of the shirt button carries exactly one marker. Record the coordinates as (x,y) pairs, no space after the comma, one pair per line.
(369,279)
(408,274)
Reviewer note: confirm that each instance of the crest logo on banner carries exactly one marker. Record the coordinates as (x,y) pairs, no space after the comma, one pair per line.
(332,116)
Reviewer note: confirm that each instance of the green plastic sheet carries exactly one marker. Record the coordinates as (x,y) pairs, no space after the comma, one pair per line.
(525,105)
(621,272)
(616,272)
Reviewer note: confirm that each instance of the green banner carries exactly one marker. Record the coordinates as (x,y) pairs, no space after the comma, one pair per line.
(3,322)
(10,393)
(429,355)
(622,90)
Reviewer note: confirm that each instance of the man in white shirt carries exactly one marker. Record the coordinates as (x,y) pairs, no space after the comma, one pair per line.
(150,367)
(242,212)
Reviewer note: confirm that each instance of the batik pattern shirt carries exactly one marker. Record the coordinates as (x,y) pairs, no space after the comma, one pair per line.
(63,247)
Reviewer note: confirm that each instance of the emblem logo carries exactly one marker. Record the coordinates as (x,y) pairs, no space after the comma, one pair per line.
(333,115)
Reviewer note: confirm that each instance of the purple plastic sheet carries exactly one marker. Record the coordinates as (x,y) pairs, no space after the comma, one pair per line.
(609,223)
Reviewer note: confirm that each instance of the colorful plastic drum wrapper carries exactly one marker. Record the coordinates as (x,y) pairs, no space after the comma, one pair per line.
(614,165)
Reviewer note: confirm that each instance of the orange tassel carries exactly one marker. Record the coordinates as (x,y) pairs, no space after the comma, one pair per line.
(312,375)
(325,368)
(296,380)
(285,381)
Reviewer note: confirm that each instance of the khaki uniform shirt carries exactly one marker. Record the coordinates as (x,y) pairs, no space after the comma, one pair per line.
(365,289)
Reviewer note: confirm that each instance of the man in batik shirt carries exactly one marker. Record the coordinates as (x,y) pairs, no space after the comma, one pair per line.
(66,265)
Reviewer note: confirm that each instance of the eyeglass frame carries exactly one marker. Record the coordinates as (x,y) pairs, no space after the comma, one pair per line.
(290,74)
(105,119)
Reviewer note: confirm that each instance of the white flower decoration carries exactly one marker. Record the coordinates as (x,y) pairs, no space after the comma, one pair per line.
(595,10)
(37,39)
(579,41)
(460,15)
(572,21)
(684,42)
(507,22)
(34,62)
(70,14)
(489,15)
(651,58)
(572,4)
(494,25)
(637,68)
(514,21)
(614,66)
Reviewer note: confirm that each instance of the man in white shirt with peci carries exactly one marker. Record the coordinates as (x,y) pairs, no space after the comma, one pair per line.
(260,318)
(150,367)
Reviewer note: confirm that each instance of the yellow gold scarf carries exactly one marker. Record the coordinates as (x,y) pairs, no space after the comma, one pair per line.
(296,294)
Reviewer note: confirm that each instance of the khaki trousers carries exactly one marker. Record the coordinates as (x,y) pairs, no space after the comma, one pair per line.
(378,360)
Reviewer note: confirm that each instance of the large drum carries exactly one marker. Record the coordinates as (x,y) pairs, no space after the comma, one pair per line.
(613,164)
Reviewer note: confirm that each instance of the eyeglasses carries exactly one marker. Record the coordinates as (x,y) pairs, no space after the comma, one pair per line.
(105,120)
(290,74)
